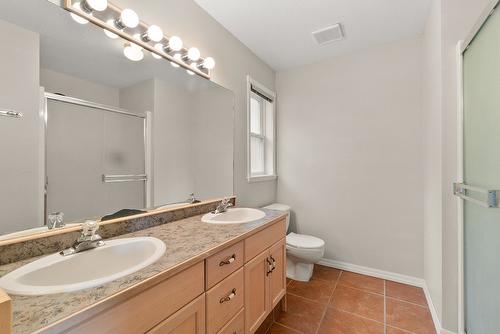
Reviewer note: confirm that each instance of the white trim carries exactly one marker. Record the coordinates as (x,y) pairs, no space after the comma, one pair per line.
(262,178)
(149,159)
(395,277)
(267,91)
(460,175)
(391,276)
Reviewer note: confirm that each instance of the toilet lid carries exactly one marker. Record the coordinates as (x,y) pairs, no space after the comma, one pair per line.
(303,241)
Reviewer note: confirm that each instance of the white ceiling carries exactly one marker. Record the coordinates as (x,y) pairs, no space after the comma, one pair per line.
(279,31)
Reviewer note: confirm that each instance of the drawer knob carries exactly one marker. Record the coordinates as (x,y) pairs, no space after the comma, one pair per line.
(229,260)
(229,297)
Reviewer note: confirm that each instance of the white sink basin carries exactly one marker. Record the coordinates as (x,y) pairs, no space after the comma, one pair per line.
(234,216)
(56,273)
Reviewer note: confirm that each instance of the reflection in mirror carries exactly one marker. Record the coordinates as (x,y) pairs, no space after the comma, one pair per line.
(100,136)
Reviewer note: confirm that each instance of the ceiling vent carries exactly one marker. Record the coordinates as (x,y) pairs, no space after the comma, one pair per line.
(329,34)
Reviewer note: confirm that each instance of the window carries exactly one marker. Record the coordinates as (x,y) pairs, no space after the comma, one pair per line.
(261,132)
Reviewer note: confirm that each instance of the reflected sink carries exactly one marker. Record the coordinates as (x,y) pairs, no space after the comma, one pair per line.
(234,216)
(56,273)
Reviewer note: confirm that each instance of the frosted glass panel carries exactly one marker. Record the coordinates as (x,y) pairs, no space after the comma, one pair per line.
(255,116)
(482,168)
(124,144)
(74,161)
(83,144)
(257,155)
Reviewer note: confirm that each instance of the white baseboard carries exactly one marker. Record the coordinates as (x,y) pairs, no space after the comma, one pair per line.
(387,275)
(410,280)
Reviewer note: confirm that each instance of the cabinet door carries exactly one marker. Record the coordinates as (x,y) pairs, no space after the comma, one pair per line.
(188,320)
(256,291)
(277,278)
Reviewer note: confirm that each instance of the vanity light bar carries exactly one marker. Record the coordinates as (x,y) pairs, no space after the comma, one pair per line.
(124,26)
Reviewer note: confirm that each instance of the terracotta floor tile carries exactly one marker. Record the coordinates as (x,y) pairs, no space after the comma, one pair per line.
(410,317)
(338,322)
(279,329)
(392,330)
(362,303)
(302,315)
(325,273)
(317,290)
(405,292)
(263,329)
(362,282)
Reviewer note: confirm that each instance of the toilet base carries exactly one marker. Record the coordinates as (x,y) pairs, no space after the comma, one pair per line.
(298,271)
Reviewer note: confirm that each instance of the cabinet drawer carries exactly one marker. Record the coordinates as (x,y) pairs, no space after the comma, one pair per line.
(235,325)
(222,264)
(188,320)
(224,300)
(264,239)
(145,310)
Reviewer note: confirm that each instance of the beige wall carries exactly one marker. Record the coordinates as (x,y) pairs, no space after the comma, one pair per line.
(349,155)
(21,200)
(234,62)
(57,82)
(431,110)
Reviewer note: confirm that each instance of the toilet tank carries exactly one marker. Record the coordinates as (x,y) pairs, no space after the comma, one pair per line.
(283,208)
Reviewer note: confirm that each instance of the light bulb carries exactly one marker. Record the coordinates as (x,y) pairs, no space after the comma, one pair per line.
(109,33)
(209,63)
(133,52)
(158,47)
(78,18)
(175,43)
(190,72)
(98,5)
(193,54)
(155,33)
(129,18)
(178,57)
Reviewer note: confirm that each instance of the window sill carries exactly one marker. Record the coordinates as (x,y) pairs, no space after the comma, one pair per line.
(262,178)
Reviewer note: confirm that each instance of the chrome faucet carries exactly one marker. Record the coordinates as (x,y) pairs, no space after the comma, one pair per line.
(223,206)
(89,239)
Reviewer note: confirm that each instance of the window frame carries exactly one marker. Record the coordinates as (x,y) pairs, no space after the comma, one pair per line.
(264,128)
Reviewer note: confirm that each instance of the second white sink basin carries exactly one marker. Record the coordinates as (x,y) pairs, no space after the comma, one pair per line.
(234,216)
(56,273)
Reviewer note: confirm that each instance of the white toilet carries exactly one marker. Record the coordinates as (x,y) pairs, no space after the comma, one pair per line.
(302,251)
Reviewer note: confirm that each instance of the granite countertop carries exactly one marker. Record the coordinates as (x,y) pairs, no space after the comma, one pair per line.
(188,241)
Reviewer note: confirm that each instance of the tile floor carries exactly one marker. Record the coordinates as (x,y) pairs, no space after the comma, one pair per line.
(341,302)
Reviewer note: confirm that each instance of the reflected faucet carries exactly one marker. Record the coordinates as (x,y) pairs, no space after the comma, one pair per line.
(55,220)
(223,206)
(89,239)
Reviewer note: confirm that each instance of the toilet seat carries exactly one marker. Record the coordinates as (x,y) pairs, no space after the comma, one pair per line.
(303,241)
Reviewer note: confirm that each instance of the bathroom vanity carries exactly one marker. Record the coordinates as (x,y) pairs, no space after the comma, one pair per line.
(212,278)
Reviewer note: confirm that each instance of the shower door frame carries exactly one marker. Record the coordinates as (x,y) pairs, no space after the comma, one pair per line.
(147,126)
(461,47)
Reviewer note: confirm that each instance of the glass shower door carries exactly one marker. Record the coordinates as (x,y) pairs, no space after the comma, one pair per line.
(482,170)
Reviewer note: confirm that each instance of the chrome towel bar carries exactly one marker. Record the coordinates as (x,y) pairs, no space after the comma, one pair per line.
(461,190)
(10,113)
(124,178)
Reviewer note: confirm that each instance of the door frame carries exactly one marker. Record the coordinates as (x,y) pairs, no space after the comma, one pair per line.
(461,47)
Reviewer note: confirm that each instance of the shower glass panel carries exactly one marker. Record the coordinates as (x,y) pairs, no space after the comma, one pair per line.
(482,169)
(82,145)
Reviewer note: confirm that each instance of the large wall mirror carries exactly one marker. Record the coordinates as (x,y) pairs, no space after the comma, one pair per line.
(100,134)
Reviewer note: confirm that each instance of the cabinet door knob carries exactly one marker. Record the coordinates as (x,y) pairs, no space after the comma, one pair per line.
(229,297)
(229,260)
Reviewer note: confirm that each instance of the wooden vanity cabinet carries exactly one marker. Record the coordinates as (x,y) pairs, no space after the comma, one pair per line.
(230,292)
(188,320)
(265,275)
